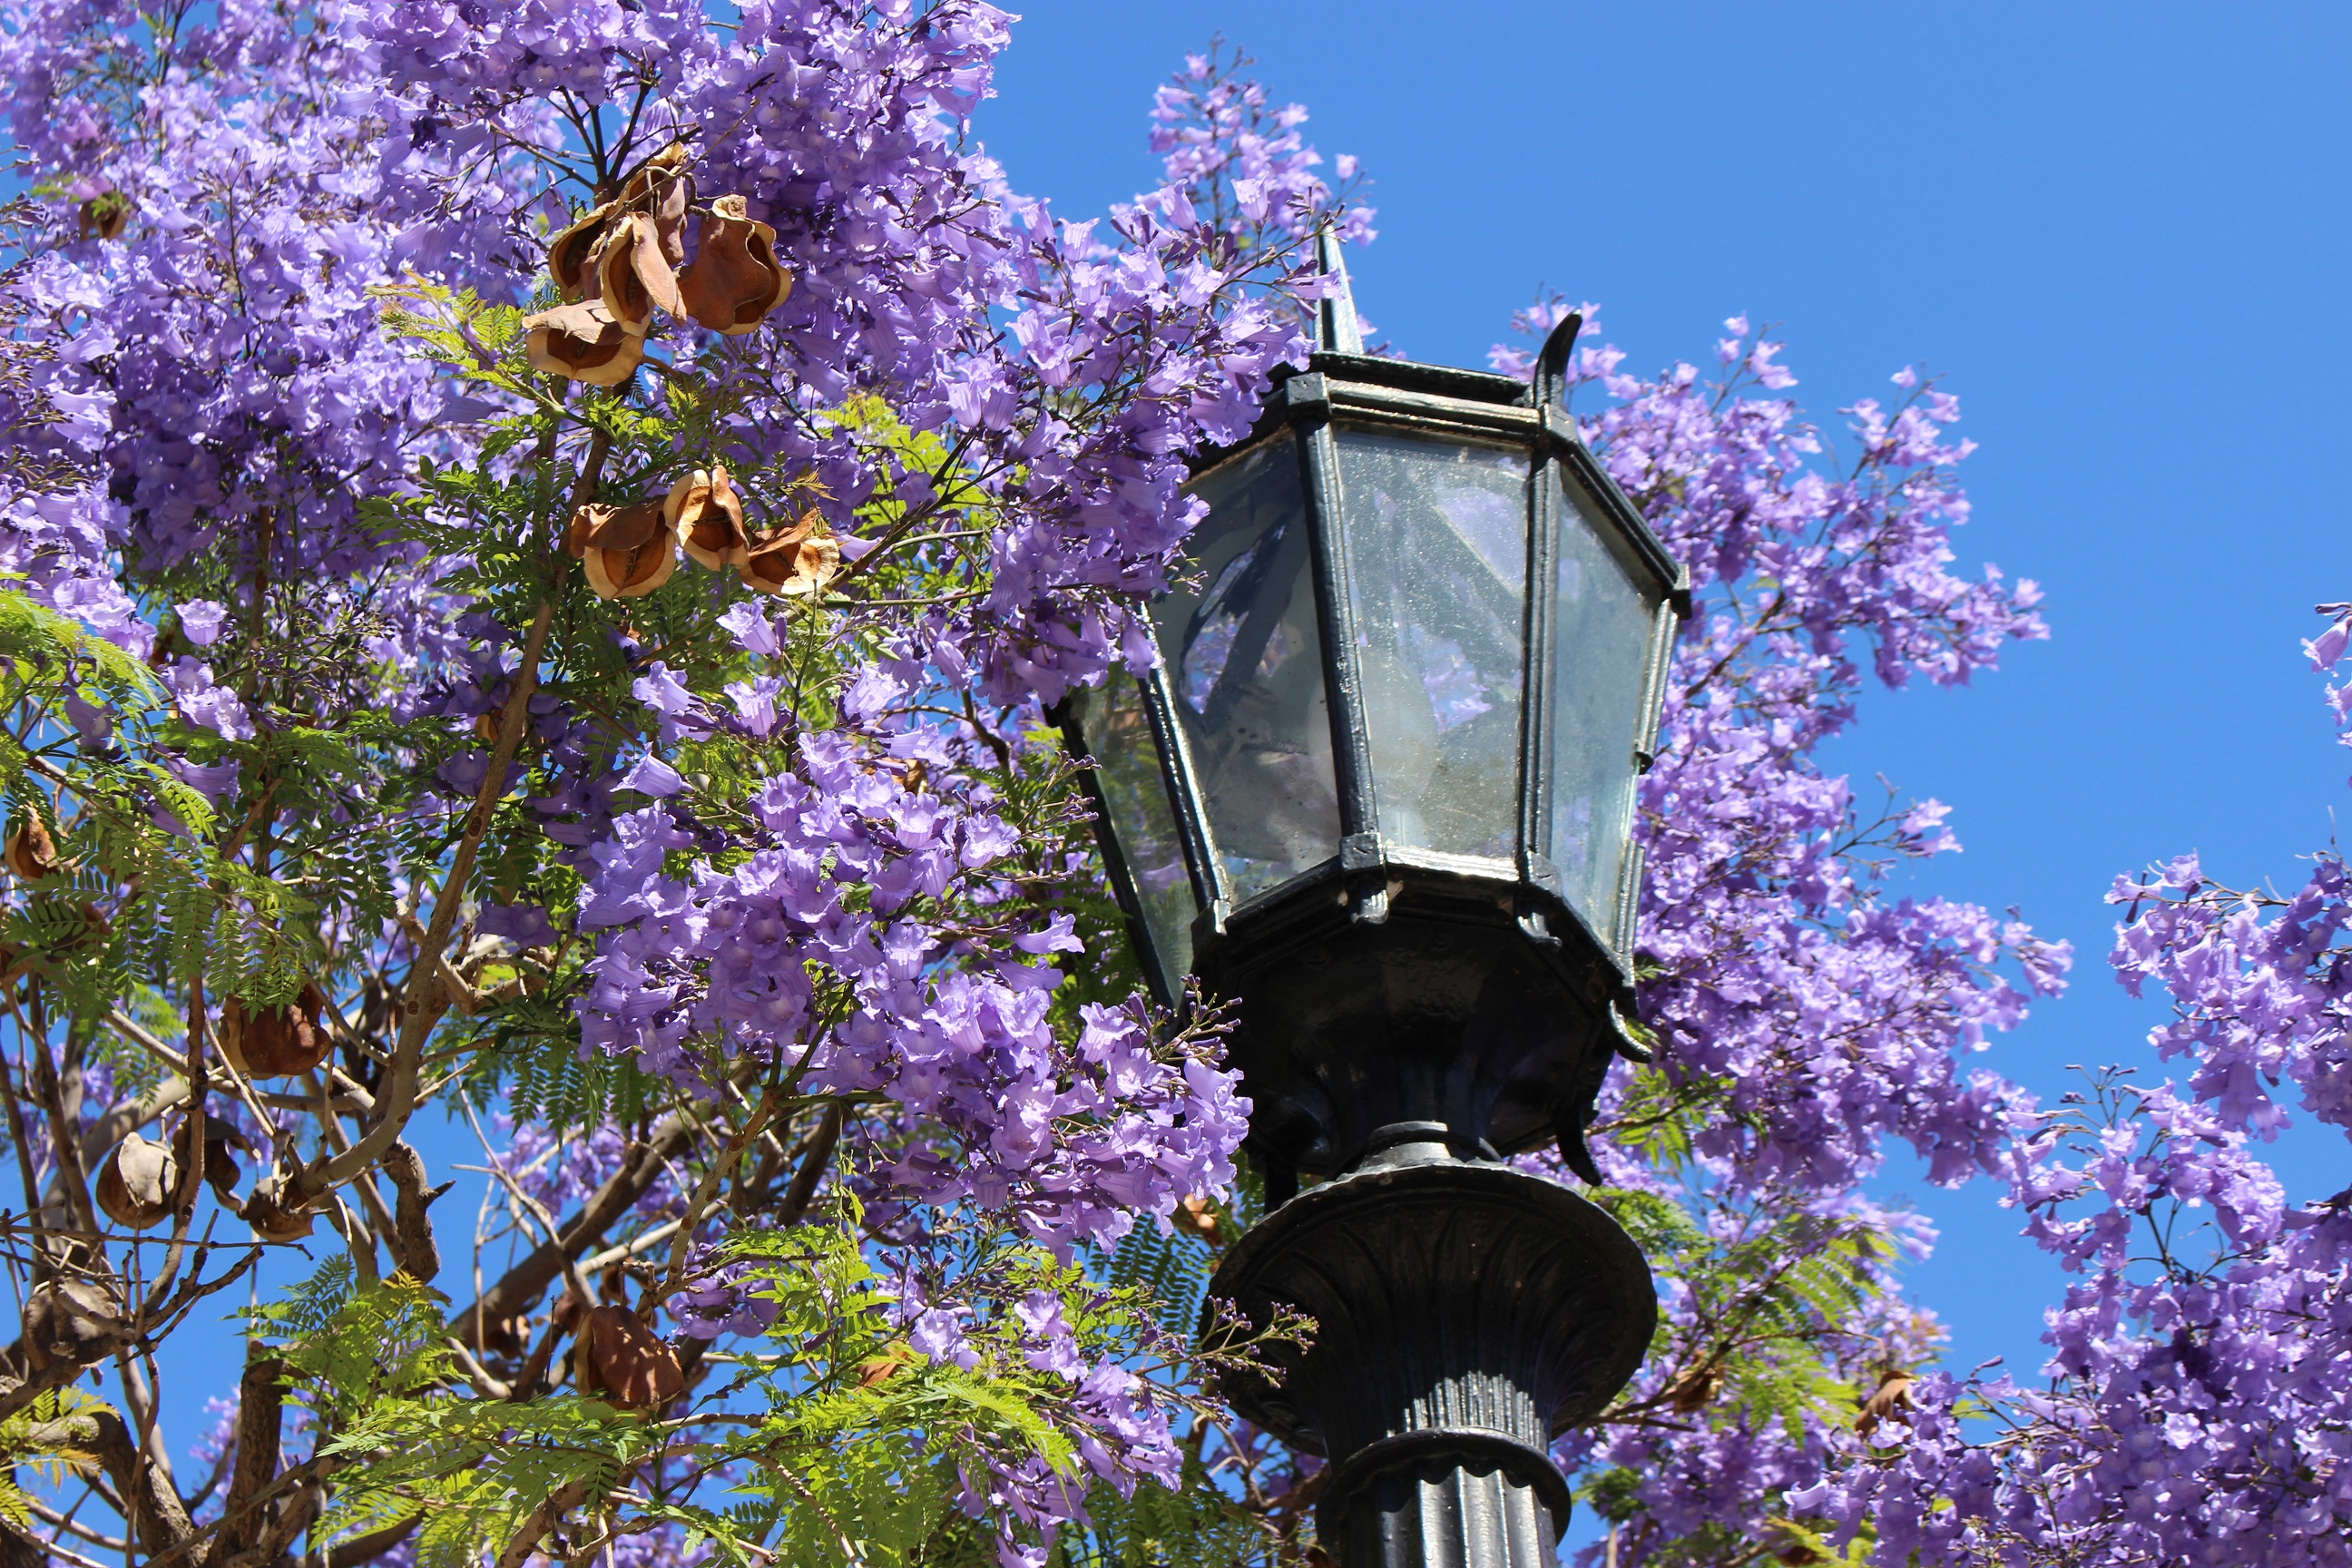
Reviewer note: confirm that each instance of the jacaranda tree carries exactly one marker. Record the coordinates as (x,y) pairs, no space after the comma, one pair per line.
(539,540)
(377,758)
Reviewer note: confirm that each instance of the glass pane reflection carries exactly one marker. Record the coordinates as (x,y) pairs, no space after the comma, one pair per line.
(1247,673)
(1118,731)
(1603,625)
(1437,569)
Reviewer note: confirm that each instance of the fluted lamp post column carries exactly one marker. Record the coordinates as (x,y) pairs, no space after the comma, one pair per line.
(1382,792)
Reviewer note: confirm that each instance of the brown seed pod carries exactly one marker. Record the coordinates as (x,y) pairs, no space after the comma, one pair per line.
(1892,1396)
(794,561)
(506,1336)
(220,1165)
(31,853)
(274,1042)
(619,1358)
(106,216)
(582,341)
(875,1371)
(568,253)
(735,279)
(73,1320)
(634,276)
(137,1181)
(628,551)
(663,190)
(271,1219)
(707,517)
(1693,1389)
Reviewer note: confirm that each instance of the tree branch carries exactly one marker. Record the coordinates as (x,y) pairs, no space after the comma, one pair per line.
(524,1283)
(260,1397)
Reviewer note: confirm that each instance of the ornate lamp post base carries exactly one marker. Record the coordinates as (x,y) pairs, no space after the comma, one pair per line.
(1466,1312)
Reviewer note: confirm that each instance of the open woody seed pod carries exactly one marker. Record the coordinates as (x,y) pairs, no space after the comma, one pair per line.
(569,252)
(634,276)
(584,342)
(136,1182)
(626,551)
(106,216)
(220,1163)
(618,1359)
(708,516)
(735,279)
(272,1220)
(663,190)
(74,1320)
(274,1042)
(31,853)
(794,561)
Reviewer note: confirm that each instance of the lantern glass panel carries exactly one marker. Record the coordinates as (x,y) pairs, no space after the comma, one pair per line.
(1437,534)
(1602,623)
(1116,729)
(1246,673)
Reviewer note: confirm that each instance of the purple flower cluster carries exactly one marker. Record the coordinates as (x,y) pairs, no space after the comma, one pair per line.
(861,933)
(209,394)
(1833,1016)
(2199,1403)
(1118,1421)
(1246,162)
(1803,1016)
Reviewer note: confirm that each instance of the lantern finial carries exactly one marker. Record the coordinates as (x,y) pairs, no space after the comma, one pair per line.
(1551,364)
(1337,330)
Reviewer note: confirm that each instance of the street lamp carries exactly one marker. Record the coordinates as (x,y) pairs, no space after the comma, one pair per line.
(1381,790)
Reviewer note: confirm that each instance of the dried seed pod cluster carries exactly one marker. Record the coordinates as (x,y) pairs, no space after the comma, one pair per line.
(617,264)
(629,551)
(139,1181)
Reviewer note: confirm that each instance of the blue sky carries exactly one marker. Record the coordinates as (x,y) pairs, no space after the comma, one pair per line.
(2118,232)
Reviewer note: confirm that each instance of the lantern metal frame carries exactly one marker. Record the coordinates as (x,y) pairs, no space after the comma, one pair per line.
(1376,393)
(1373,877)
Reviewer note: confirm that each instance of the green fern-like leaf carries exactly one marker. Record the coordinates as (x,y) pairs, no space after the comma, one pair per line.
(49,1438)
